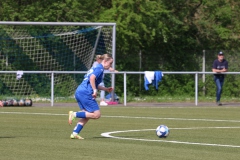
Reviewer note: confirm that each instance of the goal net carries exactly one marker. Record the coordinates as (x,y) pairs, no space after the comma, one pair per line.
(49,48)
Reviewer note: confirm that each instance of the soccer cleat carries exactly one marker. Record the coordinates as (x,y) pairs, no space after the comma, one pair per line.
(71,117)
(72,136)
(103,103)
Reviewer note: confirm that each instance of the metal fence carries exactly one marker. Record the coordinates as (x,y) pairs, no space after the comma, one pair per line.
(53,73)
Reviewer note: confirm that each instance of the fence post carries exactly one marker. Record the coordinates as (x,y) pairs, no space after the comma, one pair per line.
(52,88)
(203,70)
(125,88)
(196,88)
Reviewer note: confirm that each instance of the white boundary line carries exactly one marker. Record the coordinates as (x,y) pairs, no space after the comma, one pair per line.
(33,113)
(174,119)
(108,135)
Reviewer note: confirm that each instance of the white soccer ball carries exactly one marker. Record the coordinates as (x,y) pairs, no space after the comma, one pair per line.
(162,131)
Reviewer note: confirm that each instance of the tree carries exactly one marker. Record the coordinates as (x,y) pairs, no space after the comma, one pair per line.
(48,10)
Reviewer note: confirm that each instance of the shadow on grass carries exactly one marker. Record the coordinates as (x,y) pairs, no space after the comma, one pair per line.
(6,137)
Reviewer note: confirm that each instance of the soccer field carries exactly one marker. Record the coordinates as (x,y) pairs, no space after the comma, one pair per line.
(122,133)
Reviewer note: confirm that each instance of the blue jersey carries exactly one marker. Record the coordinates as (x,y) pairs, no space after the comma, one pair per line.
(84,91)
(98,72)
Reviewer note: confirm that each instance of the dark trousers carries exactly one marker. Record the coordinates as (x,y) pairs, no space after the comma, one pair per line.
(219,80)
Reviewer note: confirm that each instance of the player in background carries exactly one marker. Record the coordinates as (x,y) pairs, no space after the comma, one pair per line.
(98,60)
(219,65)
(86,94)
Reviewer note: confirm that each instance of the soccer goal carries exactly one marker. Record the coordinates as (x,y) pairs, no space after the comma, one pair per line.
(50,46)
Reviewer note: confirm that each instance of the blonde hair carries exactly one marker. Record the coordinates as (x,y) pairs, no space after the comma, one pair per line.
(107,57)
(99,57)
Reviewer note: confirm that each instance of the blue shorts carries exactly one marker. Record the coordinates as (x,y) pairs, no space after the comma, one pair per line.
(85,100)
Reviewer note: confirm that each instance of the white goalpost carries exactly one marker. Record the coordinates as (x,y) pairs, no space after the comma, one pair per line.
(50,46)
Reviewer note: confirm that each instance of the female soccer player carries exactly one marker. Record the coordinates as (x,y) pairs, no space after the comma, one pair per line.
(86,94)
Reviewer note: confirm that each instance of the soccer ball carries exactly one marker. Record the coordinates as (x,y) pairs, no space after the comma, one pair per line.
(28,102)
(10,102)
(162,131)
(21,102)
(15,102)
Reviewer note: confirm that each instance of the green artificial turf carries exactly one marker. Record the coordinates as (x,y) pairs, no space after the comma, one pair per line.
(196,133)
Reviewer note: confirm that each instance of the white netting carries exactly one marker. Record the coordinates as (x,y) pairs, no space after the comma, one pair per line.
(49,48)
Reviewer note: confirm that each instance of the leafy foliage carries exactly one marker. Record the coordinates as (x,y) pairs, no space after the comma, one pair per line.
(167,35)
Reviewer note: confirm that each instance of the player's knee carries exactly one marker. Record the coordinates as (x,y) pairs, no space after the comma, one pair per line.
(97,116)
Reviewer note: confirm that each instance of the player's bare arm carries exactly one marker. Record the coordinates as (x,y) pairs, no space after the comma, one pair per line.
(92,82)
(219,71)
(112,70)
(107,89)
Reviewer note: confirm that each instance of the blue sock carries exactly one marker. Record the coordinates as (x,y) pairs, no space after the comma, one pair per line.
(80,114)
(78,128)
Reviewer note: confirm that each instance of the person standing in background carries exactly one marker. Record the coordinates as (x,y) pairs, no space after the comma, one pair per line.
(219,65)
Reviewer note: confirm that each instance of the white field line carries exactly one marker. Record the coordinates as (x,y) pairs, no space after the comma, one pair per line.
(129,117)
(29,113)
(181,119)
(108,135)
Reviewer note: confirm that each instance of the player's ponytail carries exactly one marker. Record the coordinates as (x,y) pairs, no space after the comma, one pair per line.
(99,57)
